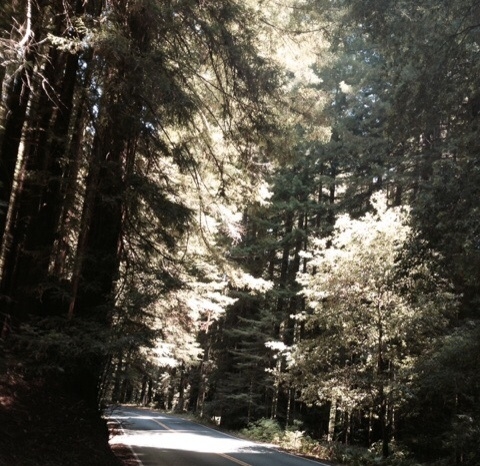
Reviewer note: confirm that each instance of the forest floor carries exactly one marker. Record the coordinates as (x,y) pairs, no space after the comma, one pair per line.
(41,426)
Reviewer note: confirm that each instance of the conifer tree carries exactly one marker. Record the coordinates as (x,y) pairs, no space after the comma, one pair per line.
(122,111)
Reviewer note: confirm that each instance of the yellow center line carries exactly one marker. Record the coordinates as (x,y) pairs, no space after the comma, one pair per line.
(235,460)
(162,424)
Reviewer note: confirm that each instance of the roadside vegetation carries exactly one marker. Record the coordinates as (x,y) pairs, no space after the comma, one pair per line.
(297,441)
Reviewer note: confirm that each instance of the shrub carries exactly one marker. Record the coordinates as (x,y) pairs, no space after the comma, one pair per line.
(263,430)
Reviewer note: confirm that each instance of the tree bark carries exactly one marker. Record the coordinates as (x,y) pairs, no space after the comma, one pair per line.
(23,261)
(18,95)
(332,420)
(18,92)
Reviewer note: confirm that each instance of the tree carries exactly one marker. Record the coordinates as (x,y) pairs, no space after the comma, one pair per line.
(432,122)
(149,97)
(368,323)
(432,115)
(446,375)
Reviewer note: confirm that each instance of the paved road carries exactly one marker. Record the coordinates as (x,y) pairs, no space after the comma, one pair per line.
(163,440)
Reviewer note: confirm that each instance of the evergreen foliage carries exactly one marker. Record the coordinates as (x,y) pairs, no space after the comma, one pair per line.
(263,212)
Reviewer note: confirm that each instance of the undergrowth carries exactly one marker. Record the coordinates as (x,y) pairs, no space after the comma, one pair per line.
(297,441)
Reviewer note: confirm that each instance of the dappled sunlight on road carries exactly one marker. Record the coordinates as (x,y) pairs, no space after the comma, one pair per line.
(200,441)
(187,441)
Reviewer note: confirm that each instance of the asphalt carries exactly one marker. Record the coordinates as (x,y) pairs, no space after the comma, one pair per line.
(158,439)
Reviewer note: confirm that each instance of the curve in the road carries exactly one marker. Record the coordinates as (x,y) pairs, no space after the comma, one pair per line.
(164,440)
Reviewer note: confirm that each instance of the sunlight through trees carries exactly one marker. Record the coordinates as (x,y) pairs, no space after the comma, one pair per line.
(265,213)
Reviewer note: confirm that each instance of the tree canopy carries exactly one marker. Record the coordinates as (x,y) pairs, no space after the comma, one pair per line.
(250,210)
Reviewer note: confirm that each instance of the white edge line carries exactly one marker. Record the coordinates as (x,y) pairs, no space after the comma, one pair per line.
(301,457)
(137,459)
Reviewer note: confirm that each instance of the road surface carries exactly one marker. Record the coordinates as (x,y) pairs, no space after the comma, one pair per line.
(163,440)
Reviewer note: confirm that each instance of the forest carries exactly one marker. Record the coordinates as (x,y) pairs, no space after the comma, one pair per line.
(261,212)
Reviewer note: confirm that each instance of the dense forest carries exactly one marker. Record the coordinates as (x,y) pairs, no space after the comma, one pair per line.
(262,212)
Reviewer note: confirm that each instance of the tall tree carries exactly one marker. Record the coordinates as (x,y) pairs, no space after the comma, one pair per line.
(368,322)
(161,93)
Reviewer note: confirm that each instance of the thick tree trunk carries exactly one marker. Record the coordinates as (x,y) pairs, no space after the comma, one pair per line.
(149,391)
(3,73)
(70,191)
(98,270)
(37,209)
(18,94)
(97,255)
(23,261)
(46,222)
(202,382)
(180,407)
(99,245)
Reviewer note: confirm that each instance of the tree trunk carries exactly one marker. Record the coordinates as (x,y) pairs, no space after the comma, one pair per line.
(382,400)
(276,386)
(332,420)
(26,259)
(150,390)
(250,402)
(37,209)
(143,391)
(289,418)
(18,92)
(18,95)
(101,230)
(370,427)
(180,407)
(202,383)
(70,190)
(383,417)
(118,379)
